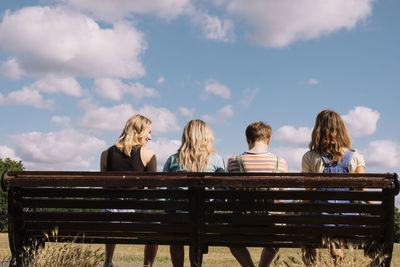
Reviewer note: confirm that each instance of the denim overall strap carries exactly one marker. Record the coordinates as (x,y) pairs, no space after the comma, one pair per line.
(338,167)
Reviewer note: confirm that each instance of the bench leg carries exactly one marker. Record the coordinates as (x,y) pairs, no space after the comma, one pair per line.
(196,256)
(381,256)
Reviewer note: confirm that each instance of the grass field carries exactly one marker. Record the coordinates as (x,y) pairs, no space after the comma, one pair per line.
(220,256)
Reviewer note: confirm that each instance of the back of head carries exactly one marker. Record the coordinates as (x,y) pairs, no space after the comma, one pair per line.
(197,146)
(135,132)
(329,135)
(258,131)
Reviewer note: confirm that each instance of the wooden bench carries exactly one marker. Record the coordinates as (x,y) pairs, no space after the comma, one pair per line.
(214,209)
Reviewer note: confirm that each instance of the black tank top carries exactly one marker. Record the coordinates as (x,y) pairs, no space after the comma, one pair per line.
(118,161)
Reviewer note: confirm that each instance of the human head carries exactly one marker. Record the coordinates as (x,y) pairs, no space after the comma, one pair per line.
(197,146)
(258,131)
(329,135)
(136,132)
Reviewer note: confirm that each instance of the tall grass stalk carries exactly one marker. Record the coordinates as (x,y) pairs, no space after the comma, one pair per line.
(70,254)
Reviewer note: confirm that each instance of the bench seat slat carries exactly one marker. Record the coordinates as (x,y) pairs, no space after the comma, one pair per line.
(107,227)
(292,230)
(295,195)
(293,219)
(102,204)
(106,216)
(101,192)
(218,241)
(117,238)
(294,207)
(280,239)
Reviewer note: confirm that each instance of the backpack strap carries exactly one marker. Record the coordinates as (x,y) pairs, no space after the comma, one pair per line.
(277,165)
(240,163)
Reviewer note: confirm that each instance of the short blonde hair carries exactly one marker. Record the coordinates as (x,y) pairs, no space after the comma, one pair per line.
(257,131)
(197,146)
(135,132)
(329,135)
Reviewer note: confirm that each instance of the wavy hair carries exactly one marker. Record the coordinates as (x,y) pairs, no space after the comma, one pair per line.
(329,135)
(135,132)
(197,146)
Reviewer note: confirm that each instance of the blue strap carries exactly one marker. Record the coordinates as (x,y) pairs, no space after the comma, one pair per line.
(338,167)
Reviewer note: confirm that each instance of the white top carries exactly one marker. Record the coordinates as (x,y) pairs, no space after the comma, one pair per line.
(312,162)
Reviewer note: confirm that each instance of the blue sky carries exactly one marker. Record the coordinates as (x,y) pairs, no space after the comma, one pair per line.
(73,71)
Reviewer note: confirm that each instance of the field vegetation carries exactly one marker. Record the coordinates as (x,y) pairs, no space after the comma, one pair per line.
(80,255)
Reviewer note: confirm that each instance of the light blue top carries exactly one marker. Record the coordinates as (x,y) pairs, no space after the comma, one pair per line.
(215,164)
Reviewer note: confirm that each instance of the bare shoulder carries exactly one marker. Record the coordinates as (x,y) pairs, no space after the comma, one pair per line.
(147,153)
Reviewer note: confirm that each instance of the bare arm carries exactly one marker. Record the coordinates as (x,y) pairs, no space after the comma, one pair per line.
(148,159)
(151,165)
(103,161)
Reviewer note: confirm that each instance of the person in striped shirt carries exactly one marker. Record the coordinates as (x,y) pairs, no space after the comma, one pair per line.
(256,159)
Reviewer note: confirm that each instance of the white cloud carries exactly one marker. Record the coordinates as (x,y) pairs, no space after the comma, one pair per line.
(139,91)
(107,119)
(214,87)
(313,81)
(54,84)
(45,40)
(161,80)
(11,69)
(163,148)
(248,96)
(222,115)
(115,89)
(27,97)
(213,27)
(6,152)
(118,9)
(382,154)
(279,23)
(64,150)
(164,121)
(291,135)
(361,121)
(187,112)
(110,88)
(216,29)
(114,118)
(61,120)
(293,156)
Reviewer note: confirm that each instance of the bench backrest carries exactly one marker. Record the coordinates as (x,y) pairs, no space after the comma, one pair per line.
(201,209)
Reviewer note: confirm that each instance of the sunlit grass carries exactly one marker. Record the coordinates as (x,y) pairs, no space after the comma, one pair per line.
(217,256)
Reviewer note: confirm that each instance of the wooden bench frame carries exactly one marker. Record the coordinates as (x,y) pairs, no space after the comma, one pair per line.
(199,209)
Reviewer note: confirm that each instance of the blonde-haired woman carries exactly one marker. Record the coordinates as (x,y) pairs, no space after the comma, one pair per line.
(131,154)
(196,154)
(330,152)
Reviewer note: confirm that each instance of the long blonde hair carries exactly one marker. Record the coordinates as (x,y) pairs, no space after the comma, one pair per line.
(329,135)
(197,146)
(135,132)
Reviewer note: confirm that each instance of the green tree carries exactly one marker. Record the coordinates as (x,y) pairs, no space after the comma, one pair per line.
(396,225)
(10,165)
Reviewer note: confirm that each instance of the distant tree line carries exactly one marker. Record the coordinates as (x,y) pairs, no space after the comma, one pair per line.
(11,165)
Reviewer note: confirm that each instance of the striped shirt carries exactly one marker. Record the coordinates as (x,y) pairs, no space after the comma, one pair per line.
(258,162)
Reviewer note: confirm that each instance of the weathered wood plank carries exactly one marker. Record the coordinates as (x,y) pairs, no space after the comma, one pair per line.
(239,206)
(106,216)
(105,204)
(293,219)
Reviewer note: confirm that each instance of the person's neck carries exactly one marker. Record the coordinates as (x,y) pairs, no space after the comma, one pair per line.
(258,147)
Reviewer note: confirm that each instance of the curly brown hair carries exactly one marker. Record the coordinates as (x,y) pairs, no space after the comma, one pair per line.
(329,135)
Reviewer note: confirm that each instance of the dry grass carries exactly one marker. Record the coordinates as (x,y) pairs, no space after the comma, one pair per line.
(217,256)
